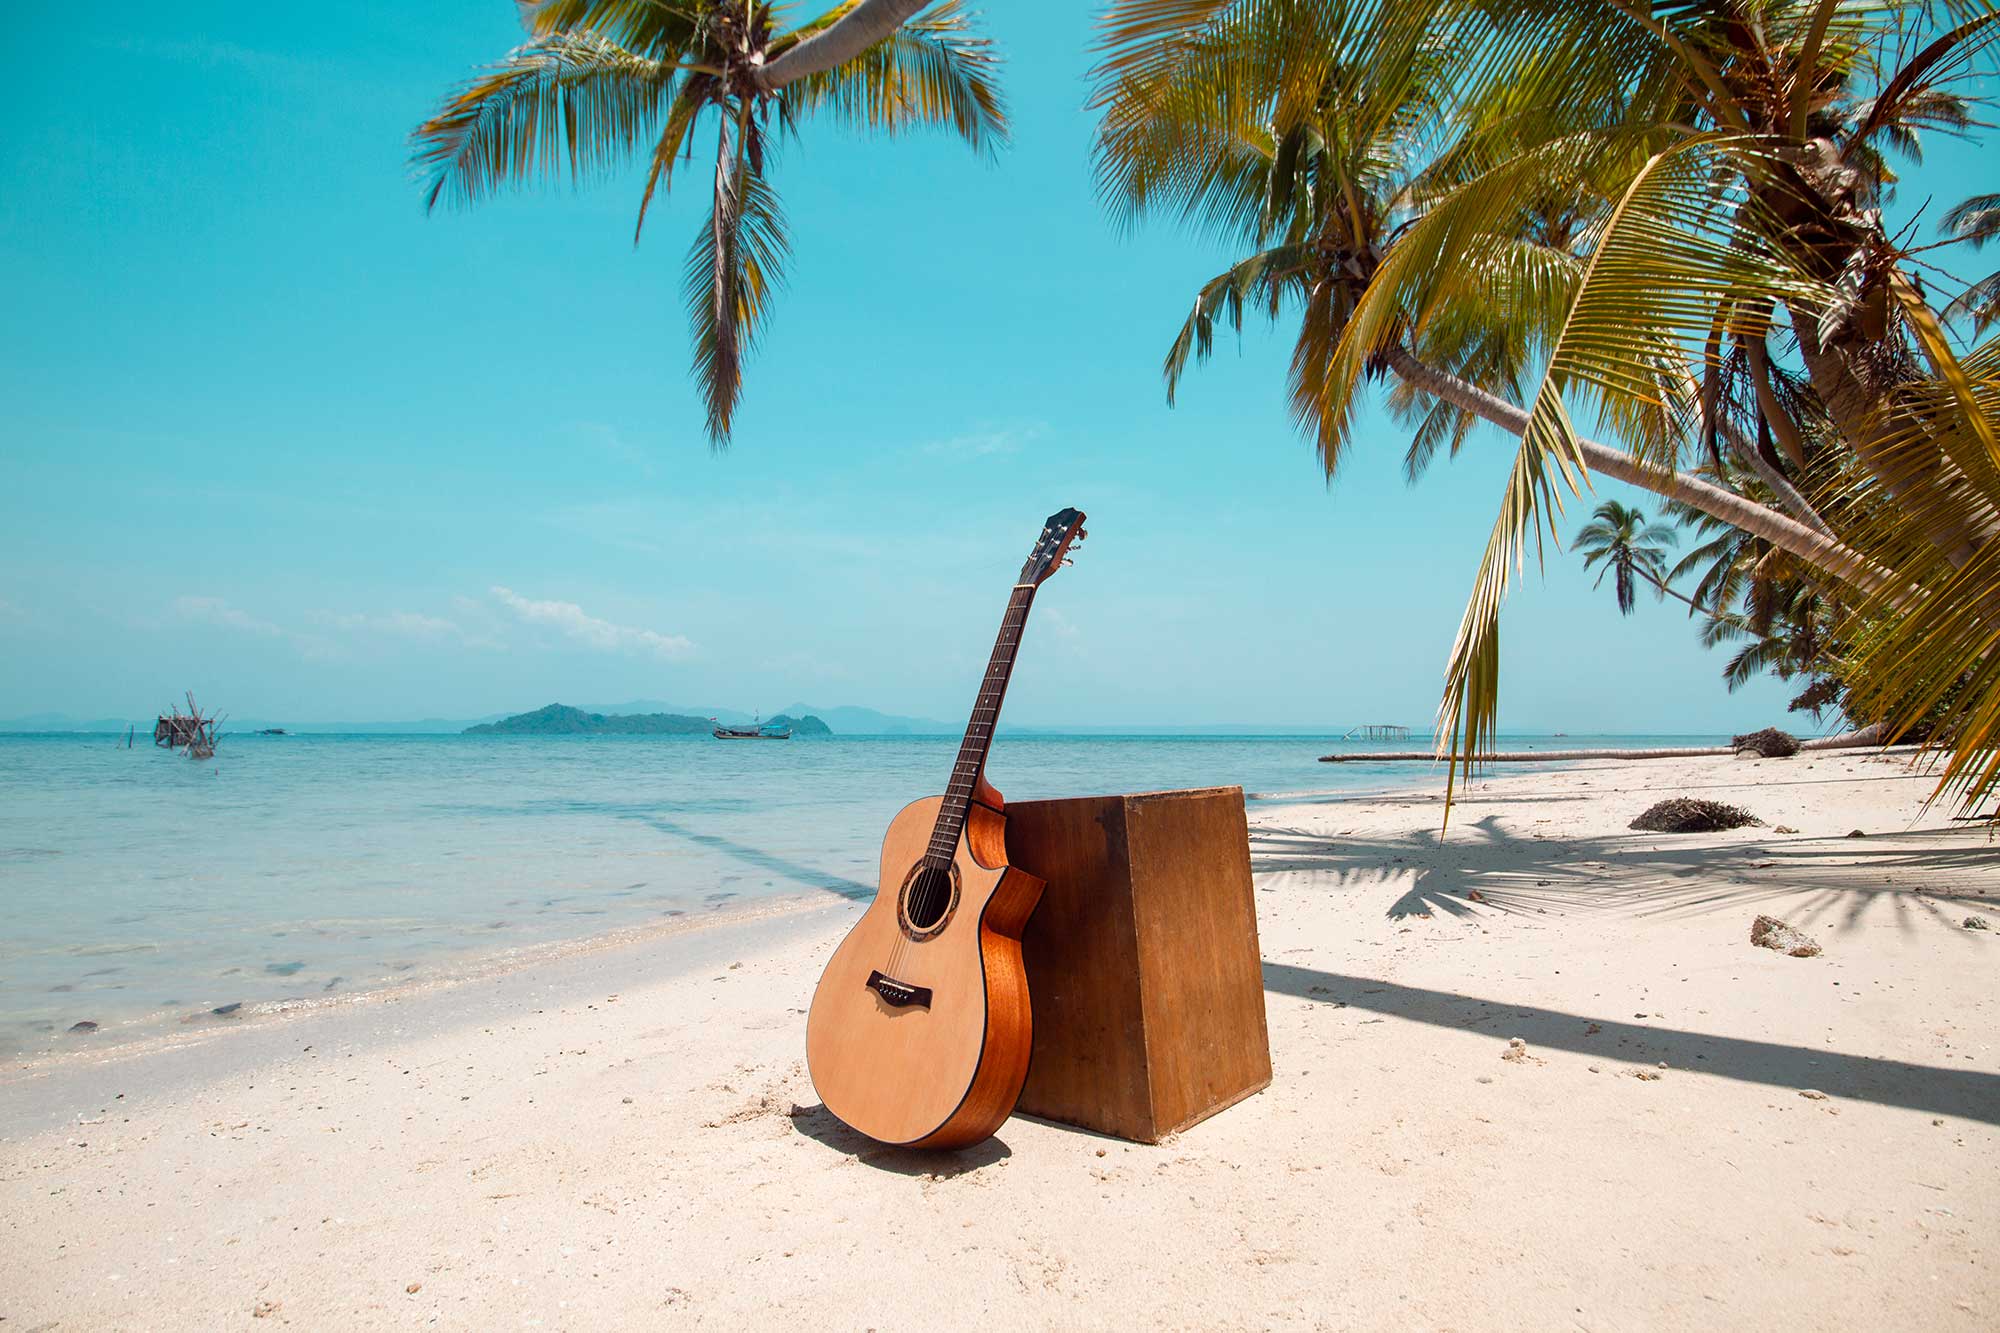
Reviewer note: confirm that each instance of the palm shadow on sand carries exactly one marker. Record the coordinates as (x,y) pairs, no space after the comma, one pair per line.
(1971,1094)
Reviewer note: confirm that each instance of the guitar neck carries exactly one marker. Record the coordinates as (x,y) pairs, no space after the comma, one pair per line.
(978,740)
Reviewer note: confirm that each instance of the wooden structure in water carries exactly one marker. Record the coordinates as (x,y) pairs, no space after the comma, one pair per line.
(1143,969)
(192,731)
(1378,731)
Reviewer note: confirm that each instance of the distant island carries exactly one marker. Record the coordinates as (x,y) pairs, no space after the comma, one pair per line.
(808,725)
(563,720)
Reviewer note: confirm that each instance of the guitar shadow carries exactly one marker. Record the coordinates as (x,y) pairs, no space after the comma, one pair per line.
(822,1126)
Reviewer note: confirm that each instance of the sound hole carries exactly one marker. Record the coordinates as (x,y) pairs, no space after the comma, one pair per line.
(929,894)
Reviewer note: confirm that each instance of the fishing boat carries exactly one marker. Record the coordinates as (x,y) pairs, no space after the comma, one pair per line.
(756,731)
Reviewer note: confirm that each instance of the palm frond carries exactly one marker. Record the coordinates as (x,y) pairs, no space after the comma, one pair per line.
(662,29)
(933,70)
(574,98)
(733,268)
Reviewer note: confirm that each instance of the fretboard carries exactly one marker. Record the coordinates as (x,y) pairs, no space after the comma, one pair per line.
(979,731)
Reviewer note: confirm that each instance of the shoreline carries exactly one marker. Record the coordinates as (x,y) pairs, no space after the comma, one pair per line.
(164,1033)
(59,1090)
(1692,1132)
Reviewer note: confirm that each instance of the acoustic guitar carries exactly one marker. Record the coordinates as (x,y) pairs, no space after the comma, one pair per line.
(920,1028)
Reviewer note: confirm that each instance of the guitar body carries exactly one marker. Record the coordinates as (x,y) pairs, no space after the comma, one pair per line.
(933,1053)
(920,1029)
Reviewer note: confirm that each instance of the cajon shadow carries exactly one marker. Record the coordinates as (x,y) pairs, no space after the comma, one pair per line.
(822,1126)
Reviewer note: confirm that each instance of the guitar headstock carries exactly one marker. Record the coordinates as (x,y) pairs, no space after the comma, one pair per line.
(1063,530)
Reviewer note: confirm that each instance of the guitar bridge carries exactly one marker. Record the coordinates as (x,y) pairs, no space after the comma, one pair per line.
(899,994)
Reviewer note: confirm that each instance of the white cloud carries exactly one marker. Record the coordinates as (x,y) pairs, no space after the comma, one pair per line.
(216,611)
(985,442)
(572,621)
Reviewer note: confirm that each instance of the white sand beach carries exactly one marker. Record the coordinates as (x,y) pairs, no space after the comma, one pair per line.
(1700,1133)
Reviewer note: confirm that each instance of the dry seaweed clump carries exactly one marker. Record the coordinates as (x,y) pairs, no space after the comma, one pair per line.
(1687,814)
(1770,743)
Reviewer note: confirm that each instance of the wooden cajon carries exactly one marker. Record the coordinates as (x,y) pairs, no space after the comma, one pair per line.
(1142,960)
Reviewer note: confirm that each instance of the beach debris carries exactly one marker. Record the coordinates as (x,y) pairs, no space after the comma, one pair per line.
(1770,743)
(1689,814)
(225,1010)
(1856,833)
(1767,932)
(1977,922)
(87,1026)
(265,1309)
(1812,1094)
(1475,896)
(1784,828)
(1517,1052)
(1646,1075)
(1593,1029)
(414,1288)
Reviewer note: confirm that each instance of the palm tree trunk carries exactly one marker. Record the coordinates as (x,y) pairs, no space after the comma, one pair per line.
(863,26)
(1787,534)
(1674,592)
(1853,400)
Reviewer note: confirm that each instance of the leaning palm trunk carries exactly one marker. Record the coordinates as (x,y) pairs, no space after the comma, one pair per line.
(1959,525)
(1869,736)
(1787,534)
(867,23)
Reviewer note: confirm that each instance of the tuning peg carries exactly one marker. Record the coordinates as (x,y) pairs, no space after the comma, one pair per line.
(1081,533)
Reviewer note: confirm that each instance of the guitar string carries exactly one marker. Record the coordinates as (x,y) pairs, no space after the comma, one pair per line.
(929,891)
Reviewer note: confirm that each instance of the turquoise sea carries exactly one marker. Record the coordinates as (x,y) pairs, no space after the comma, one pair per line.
(139,890)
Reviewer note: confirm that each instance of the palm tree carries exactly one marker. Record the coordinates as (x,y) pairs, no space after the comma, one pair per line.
(1668,214)
(1302,130)
(600,83)
(1976,221)
(1630,547)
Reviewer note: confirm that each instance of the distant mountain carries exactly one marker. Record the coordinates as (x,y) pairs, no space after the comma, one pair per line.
(852,721)
(563,720)
(801,726)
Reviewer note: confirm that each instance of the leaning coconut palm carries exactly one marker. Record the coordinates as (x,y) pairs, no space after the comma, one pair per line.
(1622,201)
(1317,136)
(1631,547)
(601,83)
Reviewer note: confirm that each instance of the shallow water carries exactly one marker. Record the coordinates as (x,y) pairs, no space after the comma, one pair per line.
(138,888)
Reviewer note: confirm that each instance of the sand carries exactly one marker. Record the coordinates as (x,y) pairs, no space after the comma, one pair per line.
(1693,1132)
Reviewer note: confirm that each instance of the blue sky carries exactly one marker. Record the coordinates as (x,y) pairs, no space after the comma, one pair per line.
(274,434)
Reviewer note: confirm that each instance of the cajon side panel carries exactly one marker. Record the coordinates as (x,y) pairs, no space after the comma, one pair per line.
(1089,1063)
(1201,973)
